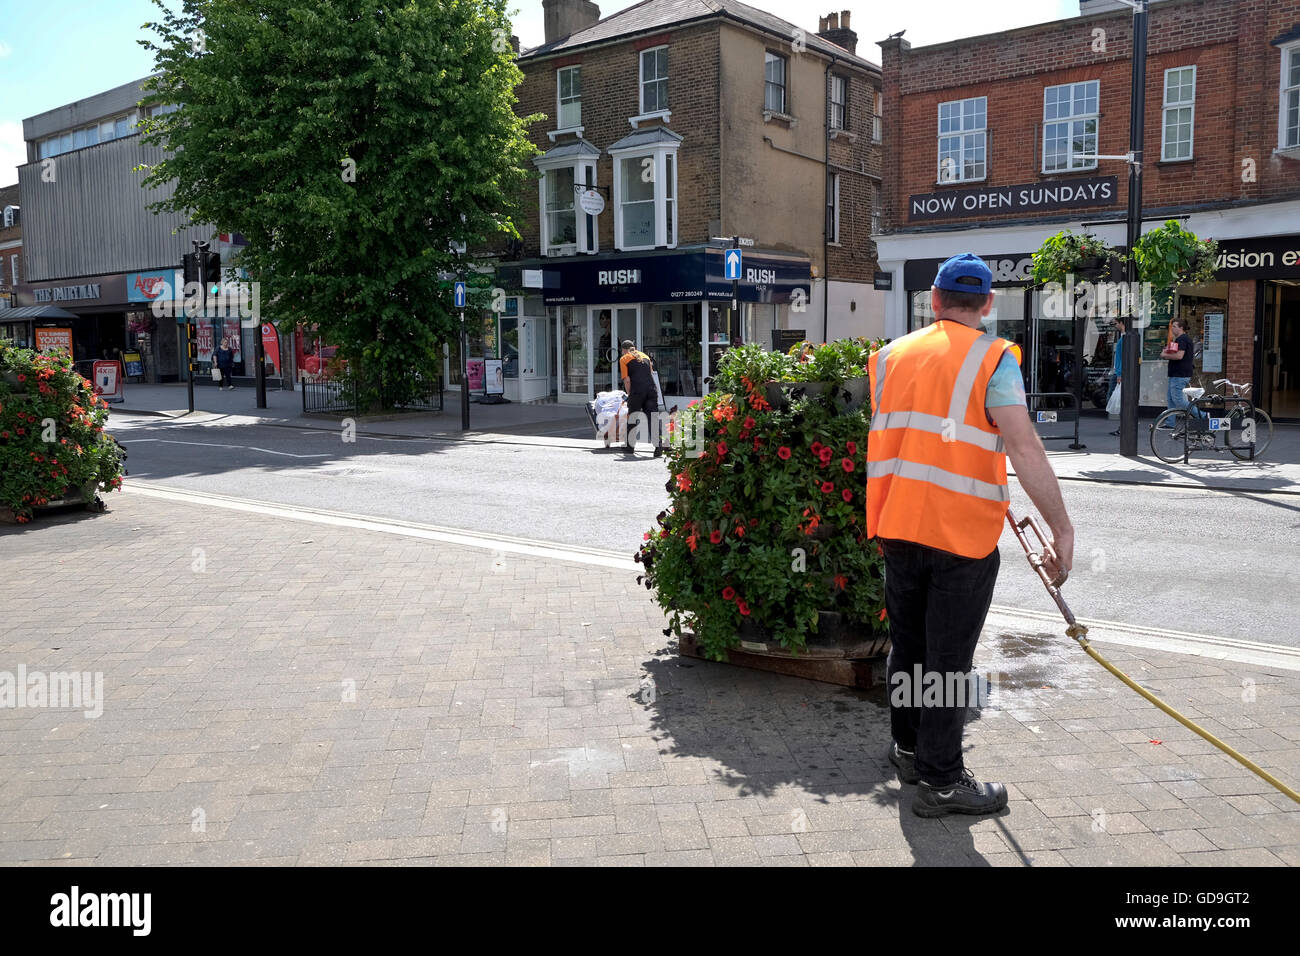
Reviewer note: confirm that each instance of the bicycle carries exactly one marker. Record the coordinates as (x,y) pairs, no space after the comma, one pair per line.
(1246,430)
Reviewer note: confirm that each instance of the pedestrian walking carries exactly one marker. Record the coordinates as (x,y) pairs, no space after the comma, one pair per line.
(1116,370)
(636,370)
(1179,354)
(948,399)
(225,358)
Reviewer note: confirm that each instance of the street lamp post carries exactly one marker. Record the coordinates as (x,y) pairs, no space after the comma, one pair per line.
(1128,436)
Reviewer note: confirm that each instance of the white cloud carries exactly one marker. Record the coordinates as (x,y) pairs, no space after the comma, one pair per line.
(13,152)
(5,49)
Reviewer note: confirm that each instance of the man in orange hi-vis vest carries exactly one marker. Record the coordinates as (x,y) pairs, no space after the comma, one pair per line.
(948,407)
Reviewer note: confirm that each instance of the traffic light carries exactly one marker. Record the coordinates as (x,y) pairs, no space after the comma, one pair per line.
(212,273)
(190,267)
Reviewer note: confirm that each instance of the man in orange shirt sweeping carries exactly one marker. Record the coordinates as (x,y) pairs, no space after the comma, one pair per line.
(948,409)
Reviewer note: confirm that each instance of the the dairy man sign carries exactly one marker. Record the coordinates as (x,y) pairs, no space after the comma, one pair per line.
(1028,198)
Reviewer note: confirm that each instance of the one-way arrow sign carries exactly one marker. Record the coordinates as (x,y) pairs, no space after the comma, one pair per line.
(732,264)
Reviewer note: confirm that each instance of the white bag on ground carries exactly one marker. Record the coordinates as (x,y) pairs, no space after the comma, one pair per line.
(1112,406)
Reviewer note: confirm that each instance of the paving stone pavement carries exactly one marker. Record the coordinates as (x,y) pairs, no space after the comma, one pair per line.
(279,692)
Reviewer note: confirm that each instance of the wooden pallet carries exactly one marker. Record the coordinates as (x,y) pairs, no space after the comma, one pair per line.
(849,665)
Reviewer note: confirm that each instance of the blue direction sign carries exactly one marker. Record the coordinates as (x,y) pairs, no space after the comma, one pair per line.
(732,270)
(460,295)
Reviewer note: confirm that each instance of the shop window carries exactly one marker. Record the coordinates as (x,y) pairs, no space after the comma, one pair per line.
(774,83)
(654,80)
(573,350)
(1179,113)
(963,140)
(1070,116)
(568,82)
(839,102)
(671,337)
(1289,100)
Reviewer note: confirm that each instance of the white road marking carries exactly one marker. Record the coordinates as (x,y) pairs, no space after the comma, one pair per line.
(1103,632)
(210,444)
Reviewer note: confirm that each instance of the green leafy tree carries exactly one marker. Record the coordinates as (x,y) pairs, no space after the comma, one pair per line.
(355,146)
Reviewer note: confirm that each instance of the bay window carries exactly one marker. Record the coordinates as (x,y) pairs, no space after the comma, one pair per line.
(566,172)
(645,189)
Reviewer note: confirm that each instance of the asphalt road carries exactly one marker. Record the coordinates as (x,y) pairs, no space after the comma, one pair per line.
(1207,562)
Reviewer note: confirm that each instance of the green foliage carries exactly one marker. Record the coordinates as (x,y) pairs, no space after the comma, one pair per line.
(1060,255)
(352,144)
(1172,255)
(767,526)
(52,435)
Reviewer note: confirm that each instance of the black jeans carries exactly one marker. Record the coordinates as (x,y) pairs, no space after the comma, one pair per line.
(937,603)
(646,403)
(225,377)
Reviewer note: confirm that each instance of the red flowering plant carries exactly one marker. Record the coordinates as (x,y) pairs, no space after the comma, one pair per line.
(52,439)
(766,528)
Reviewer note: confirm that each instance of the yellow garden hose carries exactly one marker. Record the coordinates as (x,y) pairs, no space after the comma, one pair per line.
(1080,633)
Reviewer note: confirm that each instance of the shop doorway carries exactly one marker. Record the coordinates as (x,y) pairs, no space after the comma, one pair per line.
(608,326)
(1279,392)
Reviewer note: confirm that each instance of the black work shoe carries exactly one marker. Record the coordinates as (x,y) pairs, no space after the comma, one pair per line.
(659,452)
(905,761)
(967,795)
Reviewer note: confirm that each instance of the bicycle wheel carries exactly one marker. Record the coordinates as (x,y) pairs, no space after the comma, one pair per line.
(1239,435)
(1167,436)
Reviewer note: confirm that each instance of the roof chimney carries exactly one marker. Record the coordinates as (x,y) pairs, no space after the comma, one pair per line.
(835,27)
(563,18)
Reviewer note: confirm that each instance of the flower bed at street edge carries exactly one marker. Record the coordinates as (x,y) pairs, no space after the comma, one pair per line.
(52,436)
(767,527)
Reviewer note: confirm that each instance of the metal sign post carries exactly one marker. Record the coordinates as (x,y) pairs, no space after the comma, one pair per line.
(459,296)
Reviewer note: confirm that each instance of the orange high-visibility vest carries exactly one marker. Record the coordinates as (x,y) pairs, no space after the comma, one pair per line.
(936,468)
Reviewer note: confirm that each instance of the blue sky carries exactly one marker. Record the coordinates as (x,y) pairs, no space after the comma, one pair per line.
(56,51)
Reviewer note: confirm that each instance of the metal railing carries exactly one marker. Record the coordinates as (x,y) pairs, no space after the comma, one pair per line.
(1047,416)
(335,397)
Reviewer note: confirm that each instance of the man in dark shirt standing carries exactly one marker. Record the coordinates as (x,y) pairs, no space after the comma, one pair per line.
(637,373)
(1179,353)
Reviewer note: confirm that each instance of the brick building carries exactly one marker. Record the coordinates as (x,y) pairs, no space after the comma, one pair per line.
(987,146)
(11,250)
(667,125)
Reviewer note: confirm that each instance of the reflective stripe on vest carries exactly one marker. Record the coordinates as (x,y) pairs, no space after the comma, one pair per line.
(901,468)
(939,426)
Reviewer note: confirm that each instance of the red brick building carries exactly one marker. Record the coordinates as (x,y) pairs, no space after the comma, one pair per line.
(989,148)
(667,125)
(11,255)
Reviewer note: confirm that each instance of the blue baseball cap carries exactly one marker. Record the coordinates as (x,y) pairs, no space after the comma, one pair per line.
(965,273)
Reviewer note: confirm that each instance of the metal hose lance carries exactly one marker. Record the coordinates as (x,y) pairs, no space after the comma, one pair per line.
(1080,633)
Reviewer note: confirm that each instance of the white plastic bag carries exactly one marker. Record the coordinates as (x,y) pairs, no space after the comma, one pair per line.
(1112,406)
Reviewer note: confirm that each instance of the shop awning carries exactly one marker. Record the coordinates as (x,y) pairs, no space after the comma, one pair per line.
(36,312)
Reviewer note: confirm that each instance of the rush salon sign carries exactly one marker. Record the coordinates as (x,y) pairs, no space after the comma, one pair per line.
(1028,198)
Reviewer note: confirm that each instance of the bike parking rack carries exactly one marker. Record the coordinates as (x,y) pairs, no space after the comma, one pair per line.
(1037,415)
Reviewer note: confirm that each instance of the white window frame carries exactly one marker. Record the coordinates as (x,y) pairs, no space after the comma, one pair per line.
(1164,118)
(768,56)
(833,208)
(1288,51)
(875,208)
(642,81)
(584,174)
(13,269)
(877,119)
(560,125)
(961,134)
(10,215)
(663,206)
(1073,118)
(842,103)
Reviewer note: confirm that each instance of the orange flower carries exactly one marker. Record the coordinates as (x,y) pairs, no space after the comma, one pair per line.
(883,614)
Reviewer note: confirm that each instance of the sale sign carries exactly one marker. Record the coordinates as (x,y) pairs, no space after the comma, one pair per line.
(203,332)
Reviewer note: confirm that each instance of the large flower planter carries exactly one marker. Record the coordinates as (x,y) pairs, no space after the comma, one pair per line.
(762,558)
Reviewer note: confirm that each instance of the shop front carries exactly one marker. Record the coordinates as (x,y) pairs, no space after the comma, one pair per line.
(100,312)
(675,305)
